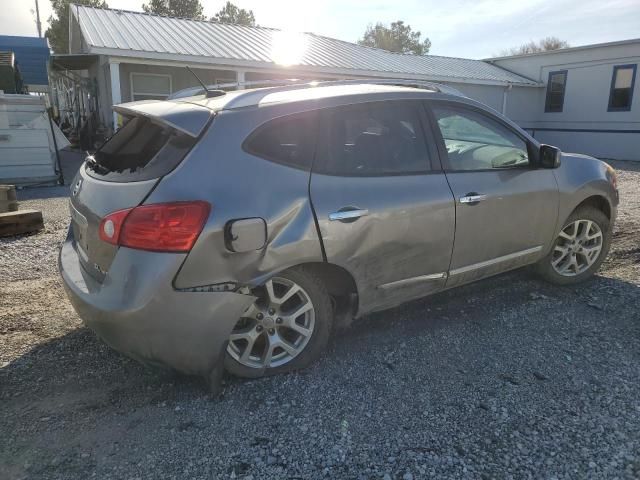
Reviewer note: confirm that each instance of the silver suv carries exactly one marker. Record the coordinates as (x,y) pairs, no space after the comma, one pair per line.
(233,228)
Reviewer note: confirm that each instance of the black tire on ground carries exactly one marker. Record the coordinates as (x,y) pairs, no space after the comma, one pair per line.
(321,301)
(546,270)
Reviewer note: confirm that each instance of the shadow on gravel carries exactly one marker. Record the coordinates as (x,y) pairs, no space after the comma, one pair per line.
(43,193)
(86,374)
(502,355)
(81,364)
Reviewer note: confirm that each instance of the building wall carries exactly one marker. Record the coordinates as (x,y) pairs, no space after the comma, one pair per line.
(523,102)
(584,125)
(524,105)
(491,95)
(583,108)
(519,98)
(181,78)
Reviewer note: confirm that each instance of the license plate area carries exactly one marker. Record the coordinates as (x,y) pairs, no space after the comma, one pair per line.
(80,225)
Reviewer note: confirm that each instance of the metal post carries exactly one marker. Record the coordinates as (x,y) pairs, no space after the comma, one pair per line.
(38,24)
(55,145)
(505,93)
(116,97)
(240,79)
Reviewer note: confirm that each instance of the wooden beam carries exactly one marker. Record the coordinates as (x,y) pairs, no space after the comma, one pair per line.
(22,221)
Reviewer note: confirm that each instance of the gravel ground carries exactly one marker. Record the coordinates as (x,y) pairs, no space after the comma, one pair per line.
(506,378)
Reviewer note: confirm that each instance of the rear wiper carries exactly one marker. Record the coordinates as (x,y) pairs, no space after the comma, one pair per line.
(95,166)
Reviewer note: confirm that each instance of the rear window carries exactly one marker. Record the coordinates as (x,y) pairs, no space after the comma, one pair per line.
(140,150)
(288,140)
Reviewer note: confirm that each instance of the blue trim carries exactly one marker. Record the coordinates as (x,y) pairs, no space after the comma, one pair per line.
(577,130)
(633,67)
(18,41)
(547,106)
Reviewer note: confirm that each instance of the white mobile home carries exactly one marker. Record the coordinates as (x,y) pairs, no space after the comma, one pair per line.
(591,102)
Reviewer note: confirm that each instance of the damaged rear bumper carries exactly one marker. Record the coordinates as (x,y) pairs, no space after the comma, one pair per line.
(137,311)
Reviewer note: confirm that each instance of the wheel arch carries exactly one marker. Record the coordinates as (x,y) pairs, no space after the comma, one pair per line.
(598,202)
(338,281)
(590,206)
(340,284)
(594,195)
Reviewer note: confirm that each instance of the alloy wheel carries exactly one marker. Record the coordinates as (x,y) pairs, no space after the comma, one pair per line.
(276,328)
(577,248)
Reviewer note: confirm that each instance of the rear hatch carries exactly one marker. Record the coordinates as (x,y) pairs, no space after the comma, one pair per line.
(154,139)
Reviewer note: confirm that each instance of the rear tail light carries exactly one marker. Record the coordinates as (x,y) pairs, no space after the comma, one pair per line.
(159,227)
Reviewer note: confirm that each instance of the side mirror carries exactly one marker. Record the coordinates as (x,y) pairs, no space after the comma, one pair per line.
(549,156)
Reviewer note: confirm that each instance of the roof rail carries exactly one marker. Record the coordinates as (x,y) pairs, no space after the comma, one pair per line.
(294,84)
(422,84)
(191,91)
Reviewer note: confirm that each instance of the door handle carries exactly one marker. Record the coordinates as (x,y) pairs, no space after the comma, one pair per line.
(473,198)
(348,214)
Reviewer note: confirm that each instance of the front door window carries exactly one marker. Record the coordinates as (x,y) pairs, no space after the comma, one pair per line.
(476,142)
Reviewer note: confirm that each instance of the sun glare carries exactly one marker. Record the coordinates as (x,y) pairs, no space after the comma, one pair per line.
(288,48)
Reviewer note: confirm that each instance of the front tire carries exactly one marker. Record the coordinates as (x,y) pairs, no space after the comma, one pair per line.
(286,329)
(579,249)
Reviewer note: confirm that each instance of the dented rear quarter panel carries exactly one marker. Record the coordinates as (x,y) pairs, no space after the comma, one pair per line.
(239,185)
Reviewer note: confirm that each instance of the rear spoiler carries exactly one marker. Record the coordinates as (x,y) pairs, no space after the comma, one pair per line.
(188,118)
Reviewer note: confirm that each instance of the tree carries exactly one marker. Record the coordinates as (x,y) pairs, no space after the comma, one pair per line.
(397,38)
(175,8)
(232,14)
(58,31)
(544,45)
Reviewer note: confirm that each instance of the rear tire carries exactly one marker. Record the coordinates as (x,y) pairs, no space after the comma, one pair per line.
(570,260)
(269,326)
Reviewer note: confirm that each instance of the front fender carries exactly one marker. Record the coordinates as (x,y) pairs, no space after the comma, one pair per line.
(581,177)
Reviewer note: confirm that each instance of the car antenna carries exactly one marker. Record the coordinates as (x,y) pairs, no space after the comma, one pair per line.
(208,93)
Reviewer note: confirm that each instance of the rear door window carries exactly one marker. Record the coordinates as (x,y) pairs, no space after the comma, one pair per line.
(289,140)
(141,150)
(373,139)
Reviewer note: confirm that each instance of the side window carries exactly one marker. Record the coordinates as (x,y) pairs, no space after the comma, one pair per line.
(476,142)
(288,140)
(622,82)
(555,91)
(150,86)
(372,139)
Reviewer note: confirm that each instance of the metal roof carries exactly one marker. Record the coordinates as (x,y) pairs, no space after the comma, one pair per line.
(32,56)
(135,34)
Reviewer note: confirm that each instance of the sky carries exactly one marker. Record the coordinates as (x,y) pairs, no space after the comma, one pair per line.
(458,28)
